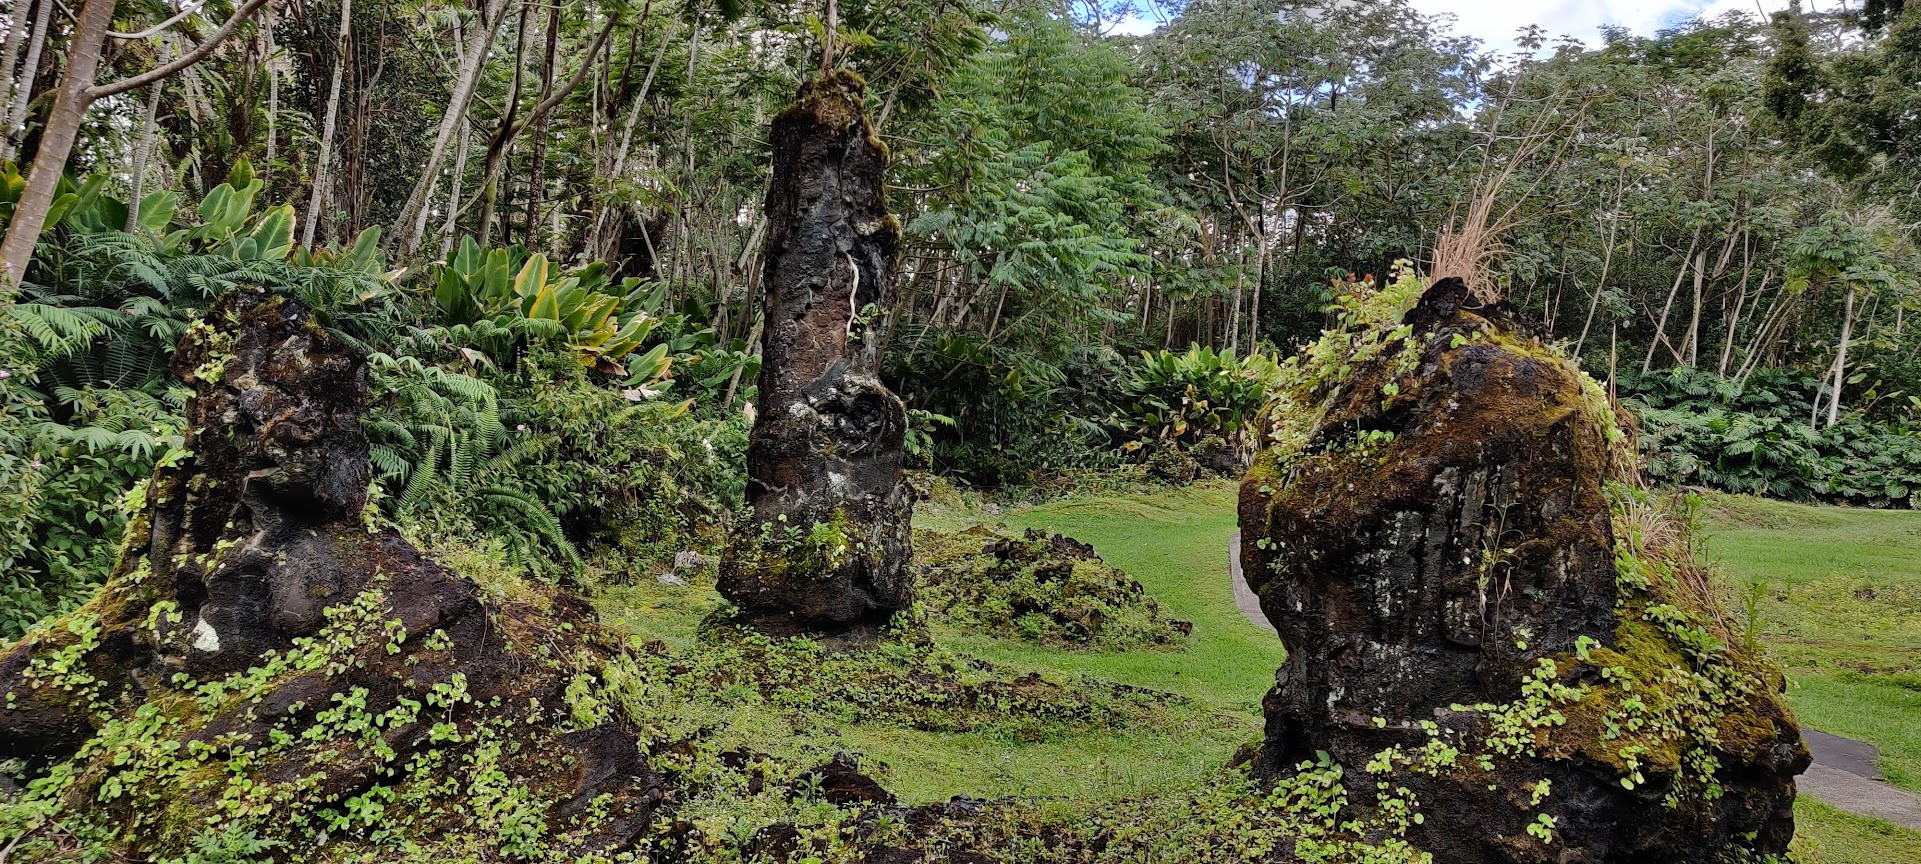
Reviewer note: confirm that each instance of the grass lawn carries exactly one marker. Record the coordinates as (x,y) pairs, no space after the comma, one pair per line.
(1837,594)
(1175,544)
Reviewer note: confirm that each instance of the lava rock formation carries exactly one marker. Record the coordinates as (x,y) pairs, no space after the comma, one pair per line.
(265,646)
(1487,616)
(826,547)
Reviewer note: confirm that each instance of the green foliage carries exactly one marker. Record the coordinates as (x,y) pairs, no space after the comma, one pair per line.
(1185,398)
(1042,588)
(1759,436)
(504,287)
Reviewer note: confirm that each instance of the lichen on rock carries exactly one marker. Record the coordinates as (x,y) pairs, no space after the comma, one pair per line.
(1489,624)
(825,547)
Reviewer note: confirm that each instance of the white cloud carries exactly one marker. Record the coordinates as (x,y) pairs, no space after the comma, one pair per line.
(1134,25)
(1495,22)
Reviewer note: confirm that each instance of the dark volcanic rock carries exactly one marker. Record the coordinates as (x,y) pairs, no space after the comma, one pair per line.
(827,544)
(264,639)
(1465,619)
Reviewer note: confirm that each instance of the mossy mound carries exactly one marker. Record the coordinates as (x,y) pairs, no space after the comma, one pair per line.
(1509,647)
(1044,588)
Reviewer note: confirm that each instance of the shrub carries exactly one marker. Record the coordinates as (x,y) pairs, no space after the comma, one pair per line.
(1200,397)
(1760,438)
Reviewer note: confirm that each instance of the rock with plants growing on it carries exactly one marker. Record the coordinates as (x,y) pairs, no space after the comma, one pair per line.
(269,667)
(1509,648)
(825,545)
(1040,587)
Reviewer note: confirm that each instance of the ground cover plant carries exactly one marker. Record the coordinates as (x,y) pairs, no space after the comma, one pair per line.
(1043,588)
(643,365)
(1834,592)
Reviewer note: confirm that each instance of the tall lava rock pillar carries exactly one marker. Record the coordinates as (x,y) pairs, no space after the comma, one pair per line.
(826,546)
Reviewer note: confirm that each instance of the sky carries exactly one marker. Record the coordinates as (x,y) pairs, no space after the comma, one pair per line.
(1494,22)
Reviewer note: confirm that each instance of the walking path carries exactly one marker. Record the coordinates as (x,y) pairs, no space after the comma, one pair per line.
(1843,774)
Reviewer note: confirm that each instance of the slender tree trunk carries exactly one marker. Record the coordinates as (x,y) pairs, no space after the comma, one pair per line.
(1691,343)
(16,119)
(1841,359)
(1740,305)
(10,55)
(1607,260)
(503,135)
(407,227)
(143,152)
(1661,326)
(77,92)
(538,174)
(273,89)
(63,125)
(450,227)
(1234,322)
(322,176)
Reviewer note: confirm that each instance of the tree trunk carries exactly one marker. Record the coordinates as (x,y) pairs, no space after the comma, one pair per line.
(407,230)
(1841,359)
(1691,343)
(503,135)
(1661,326)
(16,118)
(77,93)
(450,227)
(63,124)
(10,55)
(322,181)
(538,173)
(142,153)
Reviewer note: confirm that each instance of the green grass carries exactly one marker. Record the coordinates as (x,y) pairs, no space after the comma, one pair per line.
(1824,835)
(1175,543)
(1838,592)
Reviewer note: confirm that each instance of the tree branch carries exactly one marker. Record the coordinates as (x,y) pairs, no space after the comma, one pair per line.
(189,10)
(573,83)
(199,53)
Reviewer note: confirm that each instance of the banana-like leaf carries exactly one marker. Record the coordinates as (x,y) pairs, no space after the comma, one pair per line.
(156,210)
(273,233)
(468,260)
(650,367)
(537,296)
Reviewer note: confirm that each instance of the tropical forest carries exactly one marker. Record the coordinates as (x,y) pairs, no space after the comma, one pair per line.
(964,431)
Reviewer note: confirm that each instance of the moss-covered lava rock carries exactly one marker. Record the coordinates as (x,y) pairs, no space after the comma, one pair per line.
(1041,587)
(825,548)
(1505,643)
(271,669)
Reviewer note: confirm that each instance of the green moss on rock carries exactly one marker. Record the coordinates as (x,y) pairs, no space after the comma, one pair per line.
(1043,588)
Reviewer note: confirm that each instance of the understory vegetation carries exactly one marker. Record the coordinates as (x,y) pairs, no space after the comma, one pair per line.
(1129,264)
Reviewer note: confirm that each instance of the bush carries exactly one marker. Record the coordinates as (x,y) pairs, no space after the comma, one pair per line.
(1202,397)
(1760,438)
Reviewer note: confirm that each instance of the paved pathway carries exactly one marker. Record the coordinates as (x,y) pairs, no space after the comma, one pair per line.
(1843,774)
